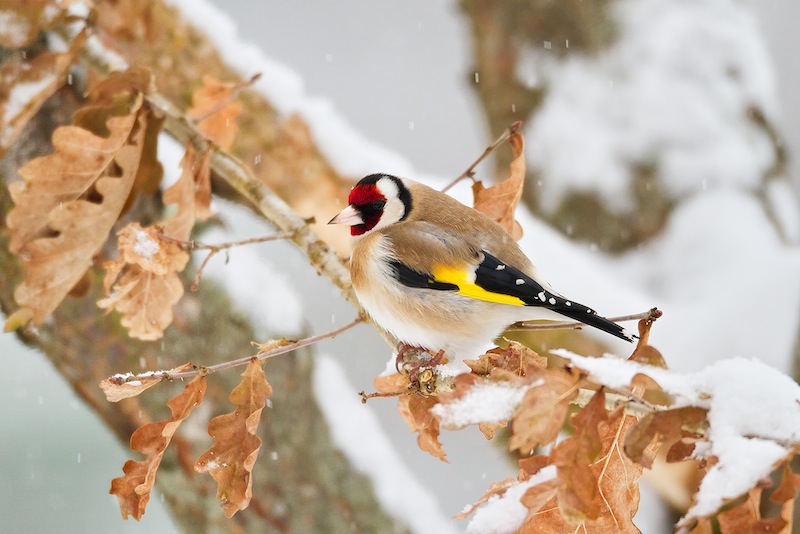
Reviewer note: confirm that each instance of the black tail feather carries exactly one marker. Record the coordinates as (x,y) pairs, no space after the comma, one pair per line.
(586,315)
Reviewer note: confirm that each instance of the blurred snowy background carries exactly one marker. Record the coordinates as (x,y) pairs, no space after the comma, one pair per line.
(725,268)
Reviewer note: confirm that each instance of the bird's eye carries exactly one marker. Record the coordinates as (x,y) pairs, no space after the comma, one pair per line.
(378,205)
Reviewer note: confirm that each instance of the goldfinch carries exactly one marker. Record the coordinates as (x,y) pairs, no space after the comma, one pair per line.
(440,276)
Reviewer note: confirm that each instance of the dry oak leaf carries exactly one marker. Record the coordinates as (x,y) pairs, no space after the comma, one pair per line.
(617,478)
(665,427)
(515,359)
(202,186)
(215,111)
(120,387)
(108,98)
(149,285)
(745,516)
(574,457)
(126,20)
(66,205)
(499,201)
(528,466)
(231,459)
(183,195)
(786,494)
(543,410)
(112,96)
(495,488)
(134,488)
(744,513)
(416,410)
(596,489)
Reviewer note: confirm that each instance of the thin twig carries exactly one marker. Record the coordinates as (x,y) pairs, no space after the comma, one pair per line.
(377,394)
(283,346)
(651,314)
(470,172)
(197,245)
(198,276)
(215,249)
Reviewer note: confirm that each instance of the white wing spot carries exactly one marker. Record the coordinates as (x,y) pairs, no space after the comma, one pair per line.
(541,296)
(552,300)
(520,281)
(500,267)
(568,303)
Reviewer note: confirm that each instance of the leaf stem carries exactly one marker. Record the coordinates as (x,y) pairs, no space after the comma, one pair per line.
(469,173)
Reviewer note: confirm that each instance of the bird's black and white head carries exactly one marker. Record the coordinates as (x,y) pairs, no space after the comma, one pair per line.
(376,201)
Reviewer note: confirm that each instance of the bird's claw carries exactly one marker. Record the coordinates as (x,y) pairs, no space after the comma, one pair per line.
(411,360)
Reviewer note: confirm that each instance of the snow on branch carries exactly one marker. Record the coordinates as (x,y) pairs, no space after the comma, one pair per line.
(626,410)
(749,428)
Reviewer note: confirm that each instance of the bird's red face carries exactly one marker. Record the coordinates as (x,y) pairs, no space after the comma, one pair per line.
(375,201)
(369,202)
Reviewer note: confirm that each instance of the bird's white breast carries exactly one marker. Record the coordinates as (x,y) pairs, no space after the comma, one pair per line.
(435,320)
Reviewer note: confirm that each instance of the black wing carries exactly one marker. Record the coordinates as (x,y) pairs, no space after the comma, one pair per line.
(494,276)
(498,277)
(413,278)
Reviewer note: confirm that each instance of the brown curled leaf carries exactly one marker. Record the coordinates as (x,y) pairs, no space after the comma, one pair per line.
(67,203)
(134,487)
(215,111)
(417,413)
(142,284)
(120,387)
(231,458)
(499,201)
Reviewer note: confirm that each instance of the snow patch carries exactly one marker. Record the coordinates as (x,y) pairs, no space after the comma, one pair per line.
(504,514)
(485,402)
(19,97)
(145,246)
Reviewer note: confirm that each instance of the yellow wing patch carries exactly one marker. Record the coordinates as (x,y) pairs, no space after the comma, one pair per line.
(461,279)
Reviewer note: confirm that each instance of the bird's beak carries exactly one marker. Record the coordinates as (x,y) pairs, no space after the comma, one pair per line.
(349,215)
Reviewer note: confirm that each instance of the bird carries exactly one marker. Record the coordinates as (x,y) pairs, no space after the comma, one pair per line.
(442,277)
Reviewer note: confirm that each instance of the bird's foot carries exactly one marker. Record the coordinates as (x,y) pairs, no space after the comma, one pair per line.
(411,360)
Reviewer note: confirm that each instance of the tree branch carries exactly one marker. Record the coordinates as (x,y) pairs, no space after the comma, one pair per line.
(652,314)
(267,350)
